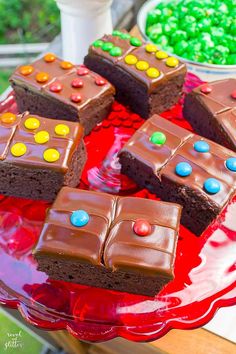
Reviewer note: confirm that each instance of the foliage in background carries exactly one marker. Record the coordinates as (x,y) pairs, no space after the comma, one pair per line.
(4,79)
(28,21)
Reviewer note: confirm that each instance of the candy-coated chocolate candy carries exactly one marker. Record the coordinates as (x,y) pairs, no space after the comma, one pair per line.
(76,97)
(153,16)
(79,218)
(26,70)
(153,73)
(212,186)
(201,146)
(66,65)
(49,57)
(206,89)
(82,71)
(32,123)
(151,48)
(107,46)
(177,36)
(56,86)
(8,118)
(183,169)
(51,155)
(77,83)
(116,33)
(136,42)
(131,59)
(154,32)
(161,55)
(41,137)
(125,35)
(42,77)
(233,94)
(180,47)
(115,52)
(142,65)
(18,149)
(100,81)
(142,227)
(231,164)
(172,62)
(62,129)
(158,138)
(98,43)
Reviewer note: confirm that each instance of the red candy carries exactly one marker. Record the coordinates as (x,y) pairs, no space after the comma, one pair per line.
(206,89)
(142,227)
(56,86)
(82,71)
(100,81)
(76,97)
(233,94)
(77,83)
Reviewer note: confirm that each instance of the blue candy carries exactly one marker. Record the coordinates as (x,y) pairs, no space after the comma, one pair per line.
(79,218)
(231,164)
(212,185)
(183,169)
(201,146)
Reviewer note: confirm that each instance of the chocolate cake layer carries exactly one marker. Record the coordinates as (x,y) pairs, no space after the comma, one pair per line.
(58,89)
(181,167)
(211,110)
(39,155)
(120,243)
(146,78)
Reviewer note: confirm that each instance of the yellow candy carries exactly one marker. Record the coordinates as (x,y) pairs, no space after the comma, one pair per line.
(161,55)
(8,117)
(51,155)
(18,149)
(32,123)
(131,59)
(172,62)
(142,65)
(151,48)
(153,73)
(62,129)
(41,137)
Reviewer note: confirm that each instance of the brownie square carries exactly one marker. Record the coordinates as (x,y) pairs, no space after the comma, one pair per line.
(107,250)
(211,110)
(186,174)
(39,155)
(146,78)
(60,90)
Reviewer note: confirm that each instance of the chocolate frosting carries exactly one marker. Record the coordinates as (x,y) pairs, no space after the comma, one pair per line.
(179,147)
(141,54)
(220,103)
(89,91)
(16,132)
(108,239)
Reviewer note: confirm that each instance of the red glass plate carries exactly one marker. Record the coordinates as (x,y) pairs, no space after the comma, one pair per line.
(205,269)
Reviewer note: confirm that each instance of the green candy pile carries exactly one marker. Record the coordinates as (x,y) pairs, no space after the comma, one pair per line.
(201,31)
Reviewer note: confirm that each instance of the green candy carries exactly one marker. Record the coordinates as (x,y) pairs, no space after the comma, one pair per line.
(231,60)
(136,42)
(116,33)
(98,43)
(115,52)
(107,46)
(177,36)
(202,31)
(180,47)
(158,138)
(125,35)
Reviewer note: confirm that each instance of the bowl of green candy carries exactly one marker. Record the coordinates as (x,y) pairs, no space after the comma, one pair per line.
(200,33)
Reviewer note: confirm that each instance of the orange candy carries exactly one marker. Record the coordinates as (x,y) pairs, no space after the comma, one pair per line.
(8,117)
(26,70)
(42,77)
(49,57)
(66,65)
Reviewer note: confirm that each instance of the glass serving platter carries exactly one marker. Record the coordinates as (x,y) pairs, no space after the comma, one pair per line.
(205,267)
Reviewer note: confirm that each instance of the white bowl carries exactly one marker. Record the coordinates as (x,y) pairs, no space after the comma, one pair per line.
(206,72)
